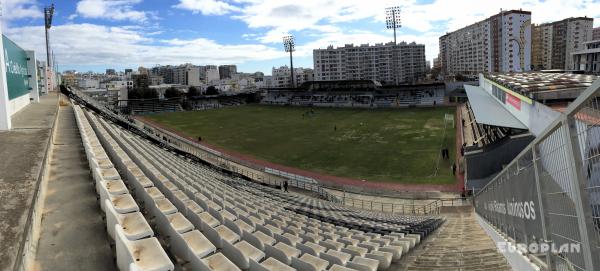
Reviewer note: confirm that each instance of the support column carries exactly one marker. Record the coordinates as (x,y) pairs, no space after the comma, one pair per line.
(33,76)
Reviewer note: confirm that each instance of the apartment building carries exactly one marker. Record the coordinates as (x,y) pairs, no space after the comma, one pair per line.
(186,74)
(388,63)
(588,59)
(227,71)
(281,76)
(559,40)
(596,33)
(500,43)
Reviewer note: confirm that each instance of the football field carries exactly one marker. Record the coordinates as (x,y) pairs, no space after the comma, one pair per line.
(384,145)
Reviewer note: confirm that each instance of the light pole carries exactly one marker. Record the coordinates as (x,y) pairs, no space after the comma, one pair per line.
(48,13)
(392,19)
(289,45)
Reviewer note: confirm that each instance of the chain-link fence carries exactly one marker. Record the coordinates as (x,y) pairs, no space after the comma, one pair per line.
(547,200)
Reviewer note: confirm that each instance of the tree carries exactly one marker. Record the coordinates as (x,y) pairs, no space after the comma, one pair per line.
(141,93)
(212,90)
(172,93)
(193,92)
(459,77)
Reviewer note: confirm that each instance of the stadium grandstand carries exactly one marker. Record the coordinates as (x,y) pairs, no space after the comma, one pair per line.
(153,203)
(506,112)
(357,93)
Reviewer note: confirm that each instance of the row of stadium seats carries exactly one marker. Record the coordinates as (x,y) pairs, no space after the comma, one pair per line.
(153,106)
(477,134)
(427,97)
(238,224)
(135,244)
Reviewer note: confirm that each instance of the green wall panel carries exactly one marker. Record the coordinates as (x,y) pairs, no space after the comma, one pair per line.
(17,78)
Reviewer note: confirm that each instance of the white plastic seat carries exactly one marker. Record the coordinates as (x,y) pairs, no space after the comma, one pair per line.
(336,267)
(395,250)
(190,245)
(355,250)
(241,253)
(310,237)
(134,224)
(384,258)
(215,262)
(311,248)
(336,257)
(363,264)
(123,203)
(282,252)
(108,188)
(287,238)
(259,239)
(309,263)
(220,234)
(143,254)
(329,244)
(270,264)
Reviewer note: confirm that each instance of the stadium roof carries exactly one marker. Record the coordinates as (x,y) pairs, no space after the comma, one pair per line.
(541,86)
(489,111)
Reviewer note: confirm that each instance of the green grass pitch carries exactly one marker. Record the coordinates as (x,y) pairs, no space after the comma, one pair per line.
(385,145)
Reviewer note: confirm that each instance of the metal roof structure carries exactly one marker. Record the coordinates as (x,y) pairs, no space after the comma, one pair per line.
(488,110)
(544,86)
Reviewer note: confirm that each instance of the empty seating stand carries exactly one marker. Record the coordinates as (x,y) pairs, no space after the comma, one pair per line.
(208,220)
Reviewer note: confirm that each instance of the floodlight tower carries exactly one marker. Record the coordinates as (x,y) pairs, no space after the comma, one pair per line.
(48,13)
(392,19)
(289,45)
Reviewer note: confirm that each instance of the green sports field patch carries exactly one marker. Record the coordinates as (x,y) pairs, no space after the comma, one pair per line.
(389,145)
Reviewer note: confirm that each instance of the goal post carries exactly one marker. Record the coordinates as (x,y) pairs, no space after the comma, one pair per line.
(449,118)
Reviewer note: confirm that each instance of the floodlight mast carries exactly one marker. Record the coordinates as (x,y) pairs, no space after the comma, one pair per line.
(48,13)
(289,46)
(392,19)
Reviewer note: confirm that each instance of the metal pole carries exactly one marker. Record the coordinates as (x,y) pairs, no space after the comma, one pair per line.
(589,241)
(292,69)
(394,25)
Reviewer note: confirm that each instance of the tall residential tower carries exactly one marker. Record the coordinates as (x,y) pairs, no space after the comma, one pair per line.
(500,43)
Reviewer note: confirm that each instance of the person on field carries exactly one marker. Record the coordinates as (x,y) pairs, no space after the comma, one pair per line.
(285,186)
(453,169)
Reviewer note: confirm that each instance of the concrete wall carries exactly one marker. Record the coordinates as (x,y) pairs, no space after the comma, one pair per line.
(489,161)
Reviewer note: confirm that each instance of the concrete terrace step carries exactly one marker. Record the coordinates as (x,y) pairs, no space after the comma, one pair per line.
(460,244)
(73,235)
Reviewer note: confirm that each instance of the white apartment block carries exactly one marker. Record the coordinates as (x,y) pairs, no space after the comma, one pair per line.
(186,74)
(281,76)
(588,59)
(212,74)
(386,63)
(557,41)
(500,43)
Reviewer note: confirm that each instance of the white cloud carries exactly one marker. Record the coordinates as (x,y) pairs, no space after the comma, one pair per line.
(207,7)
(328,19)
(89,44)
(118,10)
(20,9)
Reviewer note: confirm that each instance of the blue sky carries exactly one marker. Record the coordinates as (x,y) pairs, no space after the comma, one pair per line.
(99,34)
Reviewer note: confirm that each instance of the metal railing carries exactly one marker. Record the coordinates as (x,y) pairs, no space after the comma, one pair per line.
(549,195)
(433,207)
